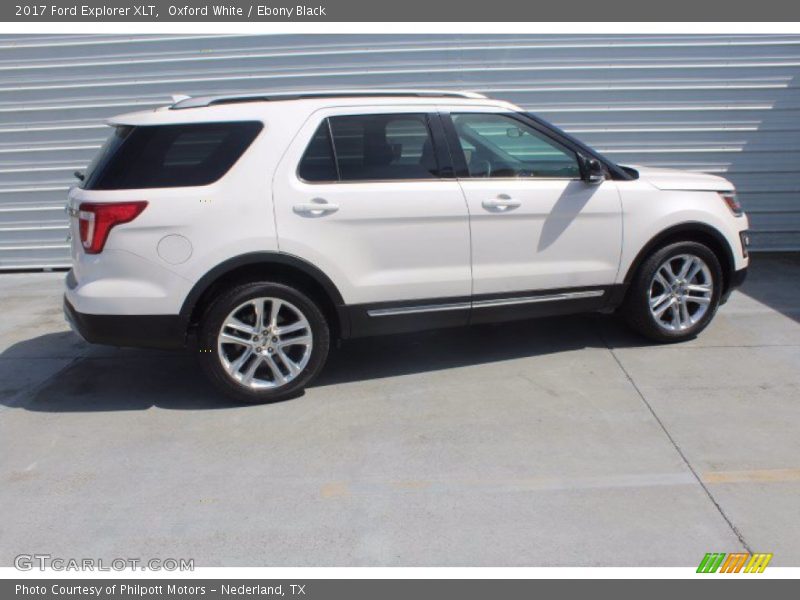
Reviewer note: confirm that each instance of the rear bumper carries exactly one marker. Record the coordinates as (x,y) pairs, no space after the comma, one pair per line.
(141,331)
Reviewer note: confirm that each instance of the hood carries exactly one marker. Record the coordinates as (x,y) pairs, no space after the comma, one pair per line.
(673,179)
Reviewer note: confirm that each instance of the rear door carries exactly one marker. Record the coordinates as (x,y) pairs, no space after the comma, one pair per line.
(366,195)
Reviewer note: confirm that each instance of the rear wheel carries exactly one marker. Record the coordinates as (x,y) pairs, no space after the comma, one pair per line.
(263,342)
(675,292)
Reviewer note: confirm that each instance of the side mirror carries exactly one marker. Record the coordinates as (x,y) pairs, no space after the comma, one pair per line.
(593,171)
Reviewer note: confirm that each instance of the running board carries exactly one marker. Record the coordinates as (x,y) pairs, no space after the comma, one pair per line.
(428,308)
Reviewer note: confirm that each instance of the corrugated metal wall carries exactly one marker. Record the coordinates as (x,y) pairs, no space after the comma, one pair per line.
(721,104)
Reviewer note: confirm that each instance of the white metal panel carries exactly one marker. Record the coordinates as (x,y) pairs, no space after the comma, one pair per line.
(723,104)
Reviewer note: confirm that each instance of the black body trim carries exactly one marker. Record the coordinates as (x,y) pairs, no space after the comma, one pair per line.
(440,146)
(596,298)
(737,279)
(258,258)
(688,227)
(171,331)
(362,324)
(141,331)
(422,314)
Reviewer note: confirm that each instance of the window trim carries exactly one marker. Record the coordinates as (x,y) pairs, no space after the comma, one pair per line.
(333,150)
(438,140)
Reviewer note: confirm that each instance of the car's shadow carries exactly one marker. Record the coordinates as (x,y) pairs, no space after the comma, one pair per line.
(96,378)
(371,358)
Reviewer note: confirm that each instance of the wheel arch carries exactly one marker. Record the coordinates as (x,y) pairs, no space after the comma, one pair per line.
(268,266)
(689,232)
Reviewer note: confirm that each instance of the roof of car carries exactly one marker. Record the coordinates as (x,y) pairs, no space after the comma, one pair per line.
(202,101)
(233,107)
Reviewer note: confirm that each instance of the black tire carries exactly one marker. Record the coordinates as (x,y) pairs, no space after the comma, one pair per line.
(211,326)
(636,308)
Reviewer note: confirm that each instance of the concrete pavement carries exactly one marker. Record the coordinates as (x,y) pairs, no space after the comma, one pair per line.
(567,441)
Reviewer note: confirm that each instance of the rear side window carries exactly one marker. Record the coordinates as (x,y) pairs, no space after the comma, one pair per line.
(318,162)
(381,147)
(169,155)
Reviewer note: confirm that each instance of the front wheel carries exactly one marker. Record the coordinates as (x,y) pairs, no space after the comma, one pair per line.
(675,292)
(263,342)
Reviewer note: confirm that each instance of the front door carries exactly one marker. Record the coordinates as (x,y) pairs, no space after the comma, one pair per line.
(536,226)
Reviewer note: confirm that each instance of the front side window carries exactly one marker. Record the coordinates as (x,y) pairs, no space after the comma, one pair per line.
(497,145)
(156,156)
(382,147)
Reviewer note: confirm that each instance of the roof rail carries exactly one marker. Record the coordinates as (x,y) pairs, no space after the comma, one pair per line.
(201,101)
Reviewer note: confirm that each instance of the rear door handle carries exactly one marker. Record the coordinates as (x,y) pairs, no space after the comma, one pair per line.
(501,203)
(315,209)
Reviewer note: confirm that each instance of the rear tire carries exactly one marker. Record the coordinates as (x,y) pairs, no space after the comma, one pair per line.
(263,342)
(675,292)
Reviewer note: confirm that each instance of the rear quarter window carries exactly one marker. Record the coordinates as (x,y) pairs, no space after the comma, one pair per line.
(156,156)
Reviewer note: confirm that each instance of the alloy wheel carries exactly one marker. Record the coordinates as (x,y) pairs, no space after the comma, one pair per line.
(265,343)
(680,292)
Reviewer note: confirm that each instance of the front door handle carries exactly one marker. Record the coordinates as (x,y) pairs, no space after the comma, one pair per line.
(501,203)
(315,209)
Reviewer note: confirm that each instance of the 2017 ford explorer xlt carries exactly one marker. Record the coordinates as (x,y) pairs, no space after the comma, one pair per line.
(257,229)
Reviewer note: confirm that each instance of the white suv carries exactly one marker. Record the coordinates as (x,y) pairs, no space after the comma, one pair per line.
(256,229)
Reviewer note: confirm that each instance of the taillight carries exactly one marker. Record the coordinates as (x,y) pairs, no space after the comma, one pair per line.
(733,202)
(96,220)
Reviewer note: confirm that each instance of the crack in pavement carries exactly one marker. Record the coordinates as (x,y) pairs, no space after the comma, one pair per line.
(674,443)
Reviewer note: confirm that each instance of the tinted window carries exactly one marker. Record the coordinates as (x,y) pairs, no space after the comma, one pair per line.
(497,145)
(107,150)
(169,155)
(318,162)
(383,147)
